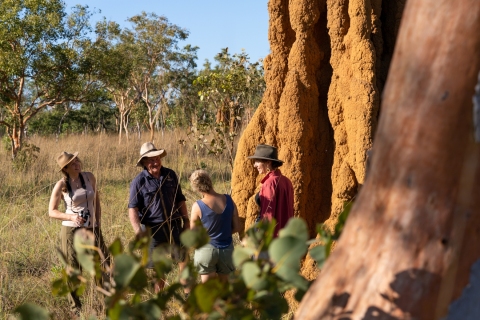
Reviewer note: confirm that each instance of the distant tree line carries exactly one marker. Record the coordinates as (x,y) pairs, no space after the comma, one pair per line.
(60,75)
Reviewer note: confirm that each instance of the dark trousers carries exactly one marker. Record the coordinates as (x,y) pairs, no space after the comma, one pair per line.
(167,234)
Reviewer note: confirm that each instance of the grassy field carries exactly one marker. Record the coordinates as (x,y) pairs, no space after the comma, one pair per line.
(28,237)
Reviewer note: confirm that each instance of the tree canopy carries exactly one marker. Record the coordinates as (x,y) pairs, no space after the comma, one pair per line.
(59,75)
(44,61)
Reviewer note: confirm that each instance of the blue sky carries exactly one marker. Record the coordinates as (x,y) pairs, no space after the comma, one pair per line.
(213,24)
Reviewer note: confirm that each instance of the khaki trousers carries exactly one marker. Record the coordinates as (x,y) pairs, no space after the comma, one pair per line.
(66,236)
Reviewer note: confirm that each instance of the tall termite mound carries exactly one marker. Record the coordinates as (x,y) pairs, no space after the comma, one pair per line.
(325,73)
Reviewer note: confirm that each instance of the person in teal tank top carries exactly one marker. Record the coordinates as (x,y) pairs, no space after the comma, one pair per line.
(218,214)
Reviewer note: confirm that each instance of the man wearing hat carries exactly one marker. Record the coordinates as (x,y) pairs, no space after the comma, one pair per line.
(156,201)
(275,197)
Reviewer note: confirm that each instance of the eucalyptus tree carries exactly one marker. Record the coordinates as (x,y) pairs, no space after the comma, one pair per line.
(156,56)
(44,61)
(115,61)
(231,92)
(141,64)
(184,102)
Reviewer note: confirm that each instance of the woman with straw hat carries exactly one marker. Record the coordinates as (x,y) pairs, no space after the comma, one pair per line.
(78,191)
(275,197)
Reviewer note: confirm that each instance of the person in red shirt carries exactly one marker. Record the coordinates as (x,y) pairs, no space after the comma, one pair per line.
(275,198)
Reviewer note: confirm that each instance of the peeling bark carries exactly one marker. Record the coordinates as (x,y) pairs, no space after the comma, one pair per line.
(413,233)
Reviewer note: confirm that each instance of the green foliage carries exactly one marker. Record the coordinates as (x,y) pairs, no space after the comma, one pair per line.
(91,117)
(55,77)
(266,268)
(287,250)
(321,252)
(44,61)
(32,311)
(229,93)
(196,237)
(152,64)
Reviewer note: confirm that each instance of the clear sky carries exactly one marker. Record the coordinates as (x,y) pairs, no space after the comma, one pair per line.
(213,24)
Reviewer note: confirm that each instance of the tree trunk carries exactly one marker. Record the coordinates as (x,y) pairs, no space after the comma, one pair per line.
(232,116)
(120,126)
(151,127)
(16,138)
(414,231)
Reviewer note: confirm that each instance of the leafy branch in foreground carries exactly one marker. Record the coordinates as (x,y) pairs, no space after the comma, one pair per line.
(326,238)
(266,268)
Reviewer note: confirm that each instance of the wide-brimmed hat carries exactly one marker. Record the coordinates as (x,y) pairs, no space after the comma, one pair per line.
(65,158)
(148,150)
(266,152)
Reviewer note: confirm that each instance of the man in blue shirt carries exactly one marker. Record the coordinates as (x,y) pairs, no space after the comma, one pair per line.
(156,201)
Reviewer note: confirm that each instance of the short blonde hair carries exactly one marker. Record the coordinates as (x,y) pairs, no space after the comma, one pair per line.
(200,181)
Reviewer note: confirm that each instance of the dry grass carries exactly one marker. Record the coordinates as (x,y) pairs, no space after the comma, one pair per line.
(28,237)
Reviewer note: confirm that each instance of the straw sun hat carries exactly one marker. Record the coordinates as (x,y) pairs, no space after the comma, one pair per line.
(148,150)
(65,158)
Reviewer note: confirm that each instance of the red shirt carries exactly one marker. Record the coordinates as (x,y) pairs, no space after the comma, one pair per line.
(276,199)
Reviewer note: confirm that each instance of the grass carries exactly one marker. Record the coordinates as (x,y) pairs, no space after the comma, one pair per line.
(28,237)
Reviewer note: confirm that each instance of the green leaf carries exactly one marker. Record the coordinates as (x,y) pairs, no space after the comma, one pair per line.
(161,261)
(207,293)
(62,256)
(139,280)
(286,252)
(242,254)
(84,245)
(253,277)
(195,238)
(60,287)
(273,306)
(297,228)
(116,247)
(150,310)
(342,219)
(30,311)
(319,254)
(260,235)
(115,310)
(126,268)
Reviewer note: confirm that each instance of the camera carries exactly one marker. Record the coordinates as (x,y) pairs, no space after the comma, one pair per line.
(84,214)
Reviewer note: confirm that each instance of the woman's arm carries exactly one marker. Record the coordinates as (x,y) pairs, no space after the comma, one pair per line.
(195,215)
(235,220)
(182,207)
(53,211)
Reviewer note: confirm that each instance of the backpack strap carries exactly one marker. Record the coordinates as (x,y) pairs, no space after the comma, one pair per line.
(69,187)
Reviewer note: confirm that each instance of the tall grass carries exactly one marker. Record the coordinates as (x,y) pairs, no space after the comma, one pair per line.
(28,237)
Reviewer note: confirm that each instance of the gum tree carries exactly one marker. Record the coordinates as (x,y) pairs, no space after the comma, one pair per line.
(412,236)
(44,61)
(230,93)
(155,61)
(115,65)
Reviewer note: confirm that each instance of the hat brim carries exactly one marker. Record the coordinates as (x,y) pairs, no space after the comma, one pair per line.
(162,153)
(263,158)
(75,154)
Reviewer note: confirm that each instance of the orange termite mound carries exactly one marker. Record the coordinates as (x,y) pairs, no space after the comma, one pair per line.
(324,75)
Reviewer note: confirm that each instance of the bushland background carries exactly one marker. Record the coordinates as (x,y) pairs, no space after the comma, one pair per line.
(102,90)
(28,237)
